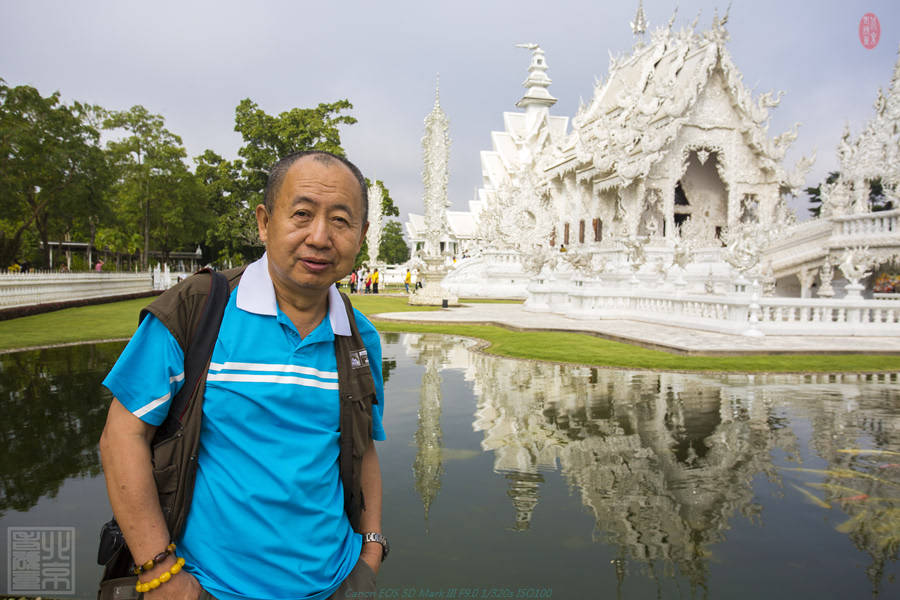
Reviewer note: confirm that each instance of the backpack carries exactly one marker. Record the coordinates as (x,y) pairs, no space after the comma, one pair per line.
(192,311)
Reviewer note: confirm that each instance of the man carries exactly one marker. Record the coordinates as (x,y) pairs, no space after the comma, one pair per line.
(375,282)
(267,520)
(407,279)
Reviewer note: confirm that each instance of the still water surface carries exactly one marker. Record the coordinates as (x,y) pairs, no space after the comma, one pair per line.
(511,478)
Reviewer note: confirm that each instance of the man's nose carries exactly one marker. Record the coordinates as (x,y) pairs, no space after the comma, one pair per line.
(319,232)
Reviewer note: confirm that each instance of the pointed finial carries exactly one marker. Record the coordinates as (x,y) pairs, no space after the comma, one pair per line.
(639,25)
(437,90)
(672,20)
(696,20)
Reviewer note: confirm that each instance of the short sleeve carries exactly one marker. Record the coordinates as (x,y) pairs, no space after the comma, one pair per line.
(148,373)
(372,341)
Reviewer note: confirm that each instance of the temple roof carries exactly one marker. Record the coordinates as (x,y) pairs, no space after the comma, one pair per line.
(636,113)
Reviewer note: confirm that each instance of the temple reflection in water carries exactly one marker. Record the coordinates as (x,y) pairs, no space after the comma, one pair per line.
(665,461)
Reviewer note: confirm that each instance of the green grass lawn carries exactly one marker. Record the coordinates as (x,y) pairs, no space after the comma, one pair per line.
(119,320)
(97,322)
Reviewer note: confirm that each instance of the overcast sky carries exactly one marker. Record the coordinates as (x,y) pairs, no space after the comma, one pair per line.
(192,62)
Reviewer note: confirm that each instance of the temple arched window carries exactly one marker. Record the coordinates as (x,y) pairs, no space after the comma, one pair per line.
(680,196)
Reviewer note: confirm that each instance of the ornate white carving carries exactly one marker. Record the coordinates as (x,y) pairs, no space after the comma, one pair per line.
(874,154)
(826,275)
(373,235)
(855,264)
(436,147)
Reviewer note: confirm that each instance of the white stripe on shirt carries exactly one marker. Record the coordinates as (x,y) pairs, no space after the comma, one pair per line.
(288,379)
(268,368)
(150,406)
(175,378)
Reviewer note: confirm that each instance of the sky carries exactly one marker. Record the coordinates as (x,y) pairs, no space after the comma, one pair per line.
(193,61)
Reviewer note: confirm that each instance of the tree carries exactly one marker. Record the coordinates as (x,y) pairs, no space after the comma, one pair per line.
(393,247)
(231,234)
(388,208)
(233,189)
(49,158)
(877,199)
(151,173)
(268,138)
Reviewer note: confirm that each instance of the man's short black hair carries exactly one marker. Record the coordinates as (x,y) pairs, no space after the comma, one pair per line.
(280,168)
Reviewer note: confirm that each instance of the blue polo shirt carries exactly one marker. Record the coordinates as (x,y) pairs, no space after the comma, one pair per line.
(267,519)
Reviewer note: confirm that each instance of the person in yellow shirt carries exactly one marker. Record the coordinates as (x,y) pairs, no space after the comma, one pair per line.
(375,282)
(407,280)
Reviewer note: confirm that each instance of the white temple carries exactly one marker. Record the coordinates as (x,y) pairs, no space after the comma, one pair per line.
(666,200)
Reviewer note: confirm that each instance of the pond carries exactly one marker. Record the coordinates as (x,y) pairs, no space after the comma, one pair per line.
(508,478)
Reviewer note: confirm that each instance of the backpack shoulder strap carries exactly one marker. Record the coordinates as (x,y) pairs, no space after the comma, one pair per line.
(193,314)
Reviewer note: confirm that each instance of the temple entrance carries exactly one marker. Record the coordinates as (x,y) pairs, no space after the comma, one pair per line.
(701,196)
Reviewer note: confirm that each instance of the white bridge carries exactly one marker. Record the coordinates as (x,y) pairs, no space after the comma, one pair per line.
(806,244)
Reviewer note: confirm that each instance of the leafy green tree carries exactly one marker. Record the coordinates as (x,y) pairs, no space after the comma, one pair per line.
(388,208)
(85,207)
(49,160)
(231,235)
(155,192)
(878,201)
(393,248)
(268,138)
(233,189)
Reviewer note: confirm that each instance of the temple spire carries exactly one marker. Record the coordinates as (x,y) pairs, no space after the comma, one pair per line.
(537,97)
(639,25)
(437,91)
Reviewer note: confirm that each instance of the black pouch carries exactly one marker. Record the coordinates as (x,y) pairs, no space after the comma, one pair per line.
(118,583)
(111,542)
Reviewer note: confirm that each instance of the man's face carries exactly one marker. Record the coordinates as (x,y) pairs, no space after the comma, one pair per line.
(315,229)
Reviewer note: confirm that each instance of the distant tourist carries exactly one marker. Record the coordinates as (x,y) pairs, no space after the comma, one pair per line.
(353,279)
(368,283)
(375,282)
(99,266)
(407,280)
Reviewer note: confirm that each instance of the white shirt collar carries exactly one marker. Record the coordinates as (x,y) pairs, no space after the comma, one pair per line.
(256,294)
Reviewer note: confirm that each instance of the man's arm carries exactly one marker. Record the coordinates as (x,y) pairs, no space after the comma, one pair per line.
(370,519)
(125,453)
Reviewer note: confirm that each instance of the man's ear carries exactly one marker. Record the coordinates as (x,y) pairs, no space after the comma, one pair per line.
(262,221)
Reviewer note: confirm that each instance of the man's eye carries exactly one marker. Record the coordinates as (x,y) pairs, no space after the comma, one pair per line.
(301,213)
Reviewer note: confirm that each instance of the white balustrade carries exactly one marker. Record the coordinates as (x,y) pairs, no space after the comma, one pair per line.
(777,316)
(25,289)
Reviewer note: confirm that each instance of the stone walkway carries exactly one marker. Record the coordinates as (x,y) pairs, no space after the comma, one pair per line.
(651,335)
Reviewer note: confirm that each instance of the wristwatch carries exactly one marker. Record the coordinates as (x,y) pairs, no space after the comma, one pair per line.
(377,537)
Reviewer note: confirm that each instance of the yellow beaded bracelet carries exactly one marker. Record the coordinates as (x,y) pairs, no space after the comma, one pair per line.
(146,586)
(137,570)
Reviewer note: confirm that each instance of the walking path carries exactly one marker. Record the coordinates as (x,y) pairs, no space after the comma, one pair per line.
(651,335)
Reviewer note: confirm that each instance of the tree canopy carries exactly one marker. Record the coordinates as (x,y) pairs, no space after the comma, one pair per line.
(52,169)
(137,193)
